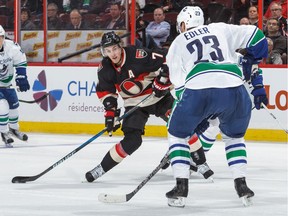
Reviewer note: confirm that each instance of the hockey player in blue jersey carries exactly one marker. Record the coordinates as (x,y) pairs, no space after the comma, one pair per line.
(11,56)
(208,82)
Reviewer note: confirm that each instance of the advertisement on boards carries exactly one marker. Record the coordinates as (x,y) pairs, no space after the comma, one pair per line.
(72,97)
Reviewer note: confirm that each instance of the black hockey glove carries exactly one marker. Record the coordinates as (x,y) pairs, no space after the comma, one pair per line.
(22,82)
(258,92)
(111,122)
(249,66)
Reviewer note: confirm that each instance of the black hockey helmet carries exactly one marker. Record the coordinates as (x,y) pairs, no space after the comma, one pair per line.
(109,39)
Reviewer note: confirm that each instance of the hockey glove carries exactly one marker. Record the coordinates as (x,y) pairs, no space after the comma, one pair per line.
(249,66)
(111,122)
(22,82)
(161,86)
(258,92)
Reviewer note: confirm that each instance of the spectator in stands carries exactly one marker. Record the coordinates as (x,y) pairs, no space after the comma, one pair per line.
(283,4)
(76,22)
(244,21)
(116,20)
(54,22)
(140,22)
(241,9)
(279,41)
(274,56)
(25,18)
(276,12)
(158,29)
(253,15)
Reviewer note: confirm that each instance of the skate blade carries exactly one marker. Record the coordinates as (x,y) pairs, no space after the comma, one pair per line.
(246,201)
(178,202)
(8,146)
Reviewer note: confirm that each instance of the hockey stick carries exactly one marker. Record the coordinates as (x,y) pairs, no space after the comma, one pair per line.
(37,100)
(61,59)
(110,198)
(273,116)
(24,179)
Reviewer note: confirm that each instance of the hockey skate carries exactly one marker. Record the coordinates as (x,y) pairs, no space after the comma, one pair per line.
(177,196)
(95,173)
(18,134)
(244,193)
(205,170)
(7,140)
(202,169)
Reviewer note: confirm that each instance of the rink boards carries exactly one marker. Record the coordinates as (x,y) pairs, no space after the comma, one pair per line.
(73,107)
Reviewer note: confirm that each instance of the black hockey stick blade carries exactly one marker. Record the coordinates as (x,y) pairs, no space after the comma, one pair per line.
(110,198)
(35,101)
(24,179)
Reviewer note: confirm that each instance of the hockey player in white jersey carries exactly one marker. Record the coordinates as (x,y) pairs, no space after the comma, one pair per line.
(11,56)
(203,68)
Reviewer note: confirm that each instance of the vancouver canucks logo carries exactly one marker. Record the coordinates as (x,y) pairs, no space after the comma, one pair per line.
(3,71)
(53,97)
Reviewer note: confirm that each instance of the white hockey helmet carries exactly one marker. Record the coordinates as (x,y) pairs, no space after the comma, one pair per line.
(2,31)
(192,16)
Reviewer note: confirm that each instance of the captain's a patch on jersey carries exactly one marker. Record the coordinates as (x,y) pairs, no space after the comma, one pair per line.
(140,53)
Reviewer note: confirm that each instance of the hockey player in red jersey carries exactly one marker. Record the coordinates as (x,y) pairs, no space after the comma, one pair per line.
(132,73)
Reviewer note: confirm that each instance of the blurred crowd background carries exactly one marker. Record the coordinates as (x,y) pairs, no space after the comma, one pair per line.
(156,18)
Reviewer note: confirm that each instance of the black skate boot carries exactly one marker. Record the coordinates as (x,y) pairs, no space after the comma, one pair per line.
(95,173)
(244,193)
(7,140)
(177,196)
(18,134)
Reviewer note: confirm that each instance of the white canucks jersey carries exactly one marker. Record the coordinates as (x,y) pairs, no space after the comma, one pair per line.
(205,57)
(11,56)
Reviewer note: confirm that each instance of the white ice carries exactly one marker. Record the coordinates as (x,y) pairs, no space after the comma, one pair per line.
(63,191)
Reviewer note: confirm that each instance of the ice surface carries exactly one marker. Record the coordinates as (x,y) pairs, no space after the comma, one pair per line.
(64,192)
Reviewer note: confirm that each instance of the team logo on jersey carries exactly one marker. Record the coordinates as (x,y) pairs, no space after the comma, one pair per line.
(131,87)
(140,53)
(3,71)
(39,87)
